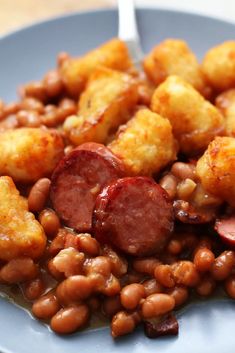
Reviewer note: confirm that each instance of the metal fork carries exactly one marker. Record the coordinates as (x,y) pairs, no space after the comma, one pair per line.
(128,31)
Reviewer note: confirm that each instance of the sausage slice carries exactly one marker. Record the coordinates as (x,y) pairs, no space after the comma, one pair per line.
(78,179)
(226,230)
(135,215)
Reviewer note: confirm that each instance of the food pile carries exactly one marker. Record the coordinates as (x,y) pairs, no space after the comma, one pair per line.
(117,187)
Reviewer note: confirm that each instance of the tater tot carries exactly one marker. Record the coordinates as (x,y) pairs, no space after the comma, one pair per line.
(218,66)
(225,102)
(27,154)
(145,143)
(104,105)
(76,71)
(195,121)
(174,57)
(21,233)
(216,169)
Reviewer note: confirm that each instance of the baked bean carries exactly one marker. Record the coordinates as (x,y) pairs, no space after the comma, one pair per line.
(111,286)
(69,106)
(50,222)
(204,242)
(131,295)
(53,271)
(55,117)
(88,245)
(124,323)
(99,264)
(20,269)
(28,118)
(146,265)
(183,170)
(35,89)
(206,286)
(46,306)
(169,183)
(119,265)
(203,259)
(11,108)
(98,281)
(50,117)
(106,285)
(185,273)
(174,247)
(70,319)
(10,122)
(62,57)
(157,304)
(151,286)
(53,83)
(185,189)
(179,293)
(202,198)
(69,262)
(164,275)
(71,240)
(50,108)
(223,265)
(34,289)
(62,114)
(230,286)
(57,243)
(74,288)
(39,194)
(111,305)
(93,303)
(32,104)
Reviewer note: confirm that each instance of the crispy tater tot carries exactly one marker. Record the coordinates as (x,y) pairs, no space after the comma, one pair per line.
(174,57)
(216,169)
(145,144)
(195,121)
(21,233)
(225,102)
(218,66)
(76,71)
(27,154)
(106,103)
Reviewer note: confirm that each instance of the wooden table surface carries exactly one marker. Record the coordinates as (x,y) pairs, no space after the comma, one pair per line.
(17,13)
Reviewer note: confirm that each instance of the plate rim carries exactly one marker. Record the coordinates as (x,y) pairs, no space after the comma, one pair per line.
(22,28)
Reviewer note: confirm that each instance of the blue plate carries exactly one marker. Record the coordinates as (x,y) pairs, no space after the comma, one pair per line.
(206,326)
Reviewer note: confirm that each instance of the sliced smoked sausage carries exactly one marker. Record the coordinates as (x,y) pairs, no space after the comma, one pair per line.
(135,215)
(78,179)
(226,230)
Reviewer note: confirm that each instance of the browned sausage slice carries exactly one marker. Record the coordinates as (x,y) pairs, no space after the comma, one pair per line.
(226,229)
(135,215)
(78,179)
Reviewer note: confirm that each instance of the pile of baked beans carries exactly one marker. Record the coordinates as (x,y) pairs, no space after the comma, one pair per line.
(78,277)
(42,103)
(91,277)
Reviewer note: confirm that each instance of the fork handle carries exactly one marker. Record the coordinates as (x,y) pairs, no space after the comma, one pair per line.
(127,20)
